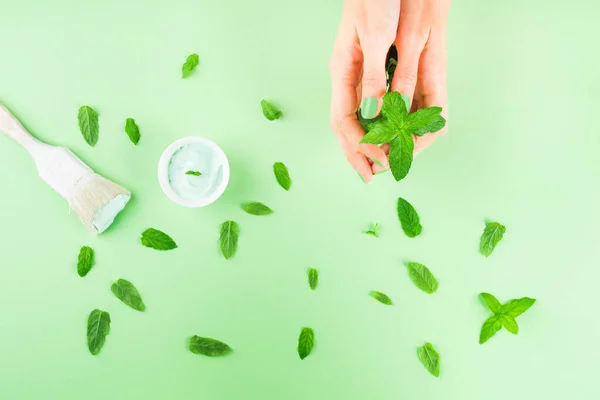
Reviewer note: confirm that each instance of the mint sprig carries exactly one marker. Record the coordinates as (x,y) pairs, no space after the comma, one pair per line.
(373,230)
(396,127)
(504,315)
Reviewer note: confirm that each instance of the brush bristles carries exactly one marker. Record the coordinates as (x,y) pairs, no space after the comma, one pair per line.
(91,194)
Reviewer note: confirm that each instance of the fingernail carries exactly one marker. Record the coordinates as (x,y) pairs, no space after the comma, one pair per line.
(368,107)
(361,177)
(376,161)
(383,171)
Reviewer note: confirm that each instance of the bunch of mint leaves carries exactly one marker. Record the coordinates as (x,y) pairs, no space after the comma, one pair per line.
(397,124)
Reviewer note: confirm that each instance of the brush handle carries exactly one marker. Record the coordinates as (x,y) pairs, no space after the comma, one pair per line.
(13,129)
(56,165)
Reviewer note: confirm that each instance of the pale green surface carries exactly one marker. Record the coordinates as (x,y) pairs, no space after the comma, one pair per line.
(523,150)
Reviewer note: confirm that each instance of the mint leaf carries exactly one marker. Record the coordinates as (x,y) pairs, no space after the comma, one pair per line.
(306,341)
(409,219)
(228,239)
(88,124)
(490,328)
(98,327)
(422,277)
(190,65)
(492,302)
(373,230)
(195,173)
(390,66)
(492,234)
(85,261)
(282,175)
(380,133)
(395,107)
(157,240)
(516,307)
(256,208)
(313,278)
(510,324)
(132,130)
(380,297)
(208,347)
(401,155)
(434,126)
(128,294)
(430,358)
(270,111)
(425,120)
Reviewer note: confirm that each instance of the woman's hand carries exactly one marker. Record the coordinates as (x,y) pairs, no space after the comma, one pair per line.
(367,30)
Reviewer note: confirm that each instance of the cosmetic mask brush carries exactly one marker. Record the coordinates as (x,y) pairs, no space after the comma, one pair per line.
(95,199)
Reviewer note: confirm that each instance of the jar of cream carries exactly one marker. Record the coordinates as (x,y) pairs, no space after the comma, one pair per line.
(193,172)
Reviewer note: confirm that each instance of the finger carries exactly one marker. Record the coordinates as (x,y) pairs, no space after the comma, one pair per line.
(357,160)
(413,32)
(361,165)
(345,72)
(375,48)
(354,132)
(432,89)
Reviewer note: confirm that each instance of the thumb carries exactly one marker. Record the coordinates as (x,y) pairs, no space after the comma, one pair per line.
(373,79)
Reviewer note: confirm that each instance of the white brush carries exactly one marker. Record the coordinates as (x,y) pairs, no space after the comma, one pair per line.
(95,199)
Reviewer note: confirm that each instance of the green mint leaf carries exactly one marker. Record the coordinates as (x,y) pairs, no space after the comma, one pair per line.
(409,219)
(228,239)
(256,208)
(195,173)
(430,358)
(436,125)
(373,230)
(379,133)
(190,65)
(492,234)
(98,327)
(270,111)
(88,125)
(313,278)
(516,307)
(128,294)
(395,107)
(510,324)
(157,240)
(390,66)
(401,155)
(132,130)
(422,277)
(282,175)
(369,124)
(380,297)
(306,341)
(492,302)
(85,261)
(425,120)
(208,347)
(490,328)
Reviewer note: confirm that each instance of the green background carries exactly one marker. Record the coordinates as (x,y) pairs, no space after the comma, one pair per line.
(522,149)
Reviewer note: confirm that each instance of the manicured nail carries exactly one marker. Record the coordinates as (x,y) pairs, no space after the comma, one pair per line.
(368,107)
(361,177)
(376,161)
